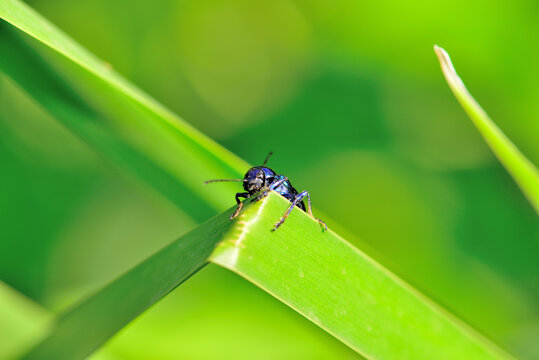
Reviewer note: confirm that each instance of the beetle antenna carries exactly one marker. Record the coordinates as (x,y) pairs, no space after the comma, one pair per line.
(222,180)
(267,157)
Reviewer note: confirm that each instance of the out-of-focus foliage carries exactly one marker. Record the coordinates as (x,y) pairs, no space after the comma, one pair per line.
(350,97)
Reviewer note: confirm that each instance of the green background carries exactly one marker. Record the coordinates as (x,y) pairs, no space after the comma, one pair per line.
(350,97)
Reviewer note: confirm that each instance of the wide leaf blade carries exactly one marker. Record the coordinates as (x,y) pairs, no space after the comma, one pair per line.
(342,290)
(317,273)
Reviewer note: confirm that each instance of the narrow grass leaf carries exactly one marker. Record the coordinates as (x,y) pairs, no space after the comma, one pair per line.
(521,169)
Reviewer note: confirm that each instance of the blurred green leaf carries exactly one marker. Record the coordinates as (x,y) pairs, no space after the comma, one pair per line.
(523,171)
(85,327)
(112,115)
(22,322)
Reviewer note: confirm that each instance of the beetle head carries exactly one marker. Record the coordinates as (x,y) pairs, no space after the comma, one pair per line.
(257,178)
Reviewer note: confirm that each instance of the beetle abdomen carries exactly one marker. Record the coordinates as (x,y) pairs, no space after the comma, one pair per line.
(288,191)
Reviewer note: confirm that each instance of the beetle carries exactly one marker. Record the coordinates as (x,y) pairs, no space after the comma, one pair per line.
(262,179)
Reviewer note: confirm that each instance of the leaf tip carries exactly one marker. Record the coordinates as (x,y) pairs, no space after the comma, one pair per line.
(447,67)
(443,57)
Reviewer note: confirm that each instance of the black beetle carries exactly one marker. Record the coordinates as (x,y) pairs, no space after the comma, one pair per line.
(263,179)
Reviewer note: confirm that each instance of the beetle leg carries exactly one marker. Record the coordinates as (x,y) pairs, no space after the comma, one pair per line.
(310,211)
(277,183)
(240,204)
(273,186)
(297,199)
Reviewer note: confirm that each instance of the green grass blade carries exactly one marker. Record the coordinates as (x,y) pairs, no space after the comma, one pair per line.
(521,169)
(317,273)
(342,290)
(85,327)
(112,115)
